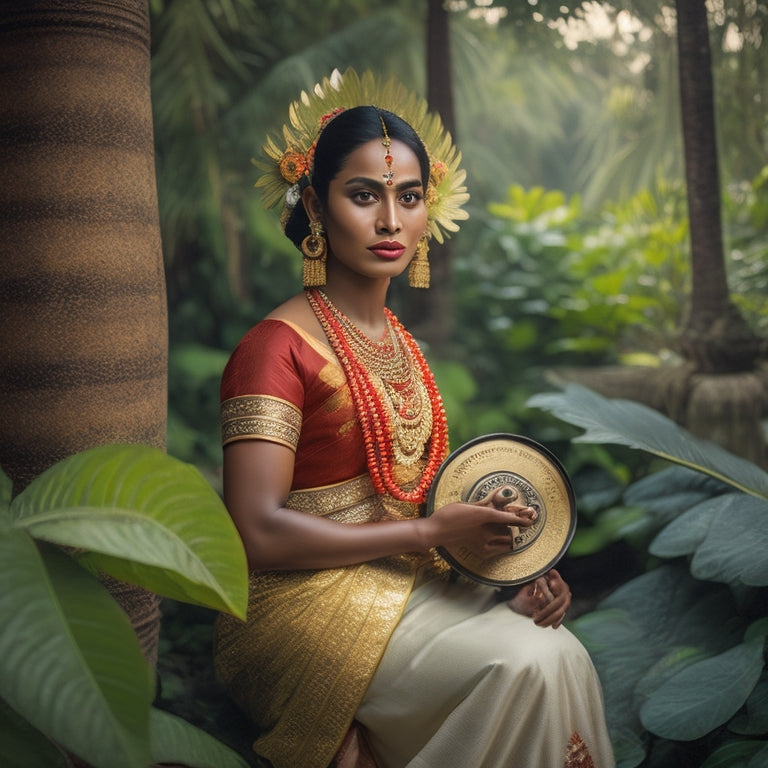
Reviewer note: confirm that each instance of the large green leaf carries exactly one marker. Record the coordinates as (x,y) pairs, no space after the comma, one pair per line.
(689,528)
(174,740)
(644,633)
(22,746)
(669,608)
(143,517)
(670,491)
(624,422)
(727,537)
(739,754)
(704,695)
(754,720)
(69,660)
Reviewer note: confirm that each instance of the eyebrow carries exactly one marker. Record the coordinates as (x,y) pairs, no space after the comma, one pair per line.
(409,184)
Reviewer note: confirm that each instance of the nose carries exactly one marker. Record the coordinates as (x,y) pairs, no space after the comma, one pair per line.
(389,217)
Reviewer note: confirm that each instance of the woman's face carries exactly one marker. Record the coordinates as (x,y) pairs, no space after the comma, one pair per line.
(373,228)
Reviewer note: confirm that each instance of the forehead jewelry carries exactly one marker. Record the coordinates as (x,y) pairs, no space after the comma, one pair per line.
(390,174)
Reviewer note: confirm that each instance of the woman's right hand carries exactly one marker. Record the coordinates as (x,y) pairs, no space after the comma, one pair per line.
(485,530)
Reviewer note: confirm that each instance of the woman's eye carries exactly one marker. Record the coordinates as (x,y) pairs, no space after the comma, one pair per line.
(364,196)
(411,198)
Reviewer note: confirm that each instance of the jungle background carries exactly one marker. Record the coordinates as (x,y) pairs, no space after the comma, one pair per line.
(617,160)
(577,254)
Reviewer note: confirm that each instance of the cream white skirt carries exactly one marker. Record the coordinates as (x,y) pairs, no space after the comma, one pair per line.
(466,682)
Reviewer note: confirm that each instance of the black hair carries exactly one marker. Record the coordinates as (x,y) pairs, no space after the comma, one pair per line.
(340,137)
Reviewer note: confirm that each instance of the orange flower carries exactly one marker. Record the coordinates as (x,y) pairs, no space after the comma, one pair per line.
(437,173)
(293,166)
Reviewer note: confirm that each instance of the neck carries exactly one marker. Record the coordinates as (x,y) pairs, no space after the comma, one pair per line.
(362,303)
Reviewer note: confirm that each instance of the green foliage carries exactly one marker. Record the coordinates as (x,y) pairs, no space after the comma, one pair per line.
(681,648)
(596,287)
(546,287)
(70,662)
(194,372)
(174,741)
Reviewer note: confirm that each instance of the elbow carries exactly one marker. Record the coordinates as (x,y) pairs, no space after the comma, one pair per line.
(265,548)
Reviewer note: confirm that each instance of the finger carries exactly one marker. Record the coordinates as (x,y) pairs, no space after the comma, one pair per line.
(524,516)
(555,580)
(543,590)
(553,621)
(553,611)
(557,585)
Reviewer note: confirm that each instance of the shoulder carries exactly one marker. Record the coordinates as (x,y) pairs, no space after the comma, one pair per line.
(266,333)
(275,357)
(298,313)
(269,344)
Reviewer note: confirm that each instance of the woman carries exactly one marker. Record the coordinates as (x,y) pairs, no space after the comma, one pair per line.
(333,431)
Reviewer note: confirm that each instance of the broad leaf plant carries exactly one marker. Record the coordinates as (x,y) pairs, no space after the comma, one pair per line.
(73,678)
(681,649)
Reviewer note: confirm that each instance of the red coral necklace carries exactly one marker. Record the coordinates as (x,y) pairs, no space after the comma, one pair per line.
(396,398)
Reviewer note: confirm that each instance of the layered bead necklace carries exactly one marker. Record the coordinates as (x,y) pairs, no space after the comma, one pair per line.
(395,397)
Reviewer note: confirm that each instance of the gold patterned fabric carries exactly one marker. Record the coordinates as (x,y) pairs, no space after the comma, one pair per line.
(299,665)
(260,416)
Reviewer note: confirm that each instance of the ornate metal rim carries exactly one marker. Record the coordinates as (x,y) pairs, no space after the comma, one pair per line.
(538,476)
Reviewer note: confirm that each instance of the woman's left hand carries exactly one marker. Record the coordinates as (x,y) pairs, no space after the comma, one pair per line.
(545,600)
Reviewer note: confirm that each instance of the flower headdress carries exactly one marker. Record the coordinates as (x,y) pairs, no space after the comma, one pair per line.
(291,155)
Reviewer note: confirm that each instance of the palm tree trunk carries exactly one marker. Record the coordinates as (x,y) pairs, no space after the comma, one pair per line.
(715,337)
(719,393)
(430,314)
(84,331)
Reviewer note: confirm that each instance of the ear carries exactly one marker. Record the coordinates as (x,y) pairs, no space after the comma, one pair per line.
(312,204)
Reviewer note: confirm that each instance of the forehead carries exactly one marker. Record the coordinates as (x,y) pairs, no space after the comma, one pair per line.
(368,160)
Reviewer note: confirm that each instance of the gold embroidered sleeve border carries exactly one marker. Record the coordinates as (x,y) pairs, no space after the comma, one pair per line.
(260,416)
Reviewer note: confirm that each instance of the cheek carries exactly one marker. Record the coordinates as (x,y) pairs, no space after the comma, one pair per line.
(347,227)
(421,218)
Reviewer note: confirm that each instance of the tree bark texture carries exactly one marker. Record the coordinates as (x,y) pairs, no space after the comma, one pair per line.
(84,316)
(715,336)
(431,312)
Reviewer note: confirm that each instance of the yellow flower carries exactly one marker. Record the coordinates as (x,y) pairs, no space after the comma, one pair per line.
(293,166)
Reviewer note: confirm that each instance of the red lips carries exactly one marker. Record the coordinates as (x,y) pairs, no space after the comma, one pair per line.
(388,249)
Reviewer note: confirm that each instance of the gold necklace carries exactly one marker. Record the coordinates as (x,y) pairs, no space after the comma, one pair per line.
(386,366)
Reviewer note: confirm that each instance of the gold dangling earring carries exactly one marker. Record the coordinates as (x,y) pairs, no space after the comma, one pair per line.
(315,250)
(418,271)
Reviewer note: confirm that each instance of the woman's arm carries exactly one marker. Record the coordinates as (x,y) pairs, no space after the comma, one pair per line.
(257,480)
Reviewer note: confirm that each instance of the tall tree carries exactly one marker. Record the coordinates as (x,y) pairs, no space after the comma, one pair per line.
(84,331)
(719,391)
(430,315)
(715,337)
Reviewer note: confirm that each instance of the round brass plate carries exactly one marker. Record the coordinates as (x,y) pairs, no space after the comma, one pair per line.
(527,473)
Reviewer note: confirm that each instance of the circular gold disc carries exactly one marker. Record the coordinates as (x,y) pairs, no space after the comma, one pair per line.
(517,469)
